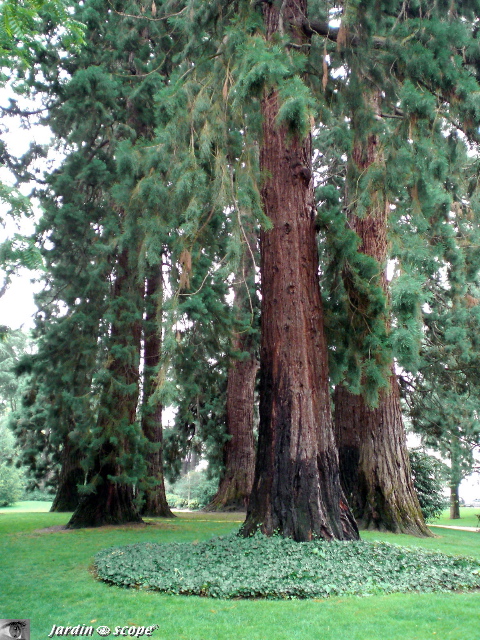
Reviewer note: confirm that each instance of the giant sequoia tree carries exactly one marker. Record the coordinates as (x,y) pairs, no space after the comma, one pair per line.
(180,119)
(374,463)
(239,451)
(395,109)
(263,62)
(297,486)
(94,242)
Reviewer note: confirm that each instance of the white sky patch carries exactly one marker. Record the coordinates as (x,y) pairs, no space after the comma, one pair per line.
(17,307)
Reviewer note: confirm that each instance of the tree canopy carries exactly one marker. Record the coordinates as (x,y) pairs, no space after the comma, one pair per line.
(342,137)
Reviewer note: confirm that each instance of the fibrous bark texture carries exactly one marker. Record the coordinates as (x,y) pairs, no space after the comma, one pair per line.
(71,475)
(239,451)
(237,480)
(374,463)
(155,504)
(297,488)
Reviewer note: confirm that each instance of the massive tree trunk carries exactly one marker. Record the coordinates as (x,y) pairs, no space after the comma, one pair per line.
(111,501)
(374,463)
(71,475)
(296,490)
(155,504)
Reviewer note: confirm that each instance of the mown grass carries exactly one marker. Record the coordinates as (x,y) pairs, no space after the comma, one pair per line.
(27,506)
(47,577)
(468,518)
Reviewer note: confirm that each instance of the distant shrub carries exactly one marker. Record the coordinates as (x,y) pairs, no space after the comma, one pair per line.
(38,495)
(429,479)
(12,479)
(175,501)
(194,490)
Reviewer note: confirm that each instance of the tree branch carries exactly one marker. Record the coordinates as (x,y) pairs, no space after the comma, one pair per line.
(312,27)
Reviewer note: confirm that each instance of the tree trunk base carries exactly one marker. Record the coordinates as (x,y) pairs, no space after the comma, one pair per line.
(156,506)
(306,503)
(374,466)
(67,497)
(111,504)
(233,493)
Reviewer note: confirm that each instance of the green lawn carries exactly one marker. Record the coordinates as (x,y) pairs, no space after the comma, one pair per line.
(28,506)
(468,518)
(47,577)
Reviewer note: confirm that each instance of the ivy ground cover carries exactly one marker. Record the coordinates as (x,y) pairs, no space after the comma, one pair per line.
(261,567)
(47,576)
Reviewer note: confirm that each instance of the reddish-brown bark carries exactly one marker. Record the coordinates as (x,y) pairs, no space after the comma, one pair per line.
(374,463)
(297,488)
(236,483)
(239,451)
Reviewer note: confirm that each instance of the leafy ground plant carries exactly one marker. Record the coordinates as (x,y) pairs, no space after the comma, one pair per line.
(261,567)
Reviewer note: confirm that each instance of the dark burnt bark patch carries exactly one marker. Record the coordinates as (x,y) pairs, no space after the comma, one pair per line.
(296,490)
(71,475)
(375,470)
(111,504)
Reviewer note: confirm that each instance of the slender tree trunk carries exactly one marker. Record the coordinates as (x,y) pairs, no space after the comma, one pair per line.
(236,483)
(239,452)
(455,479)
(454,502)
(297,488)
(155,500)
(112,501)
(374,463)
(71,475)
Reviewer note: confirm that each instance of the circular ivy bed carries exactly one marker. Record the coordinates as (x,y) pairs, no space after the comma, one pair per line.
(261,567)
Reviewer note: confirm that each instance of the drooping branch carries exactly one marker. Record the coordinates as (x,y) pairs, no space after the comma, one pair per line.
(324,29)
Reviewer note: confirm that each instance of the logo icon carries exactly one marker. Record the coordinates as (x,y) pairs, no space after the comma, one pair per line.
(18,629)
(103,631)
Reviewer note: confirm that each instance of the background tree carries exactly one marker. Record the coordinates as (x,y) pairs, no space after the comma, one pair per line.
(155,501)
(22,38)
(373,455)
(429,475)
(391,115)
(239,451)
(100,276)
(442,399)
(12,478)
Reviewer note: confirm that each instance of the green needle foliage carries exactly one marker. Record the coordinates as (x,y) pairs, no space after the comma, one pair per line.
(12,478)
(429,477)
(21,32)
(158,115)
(423,124)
